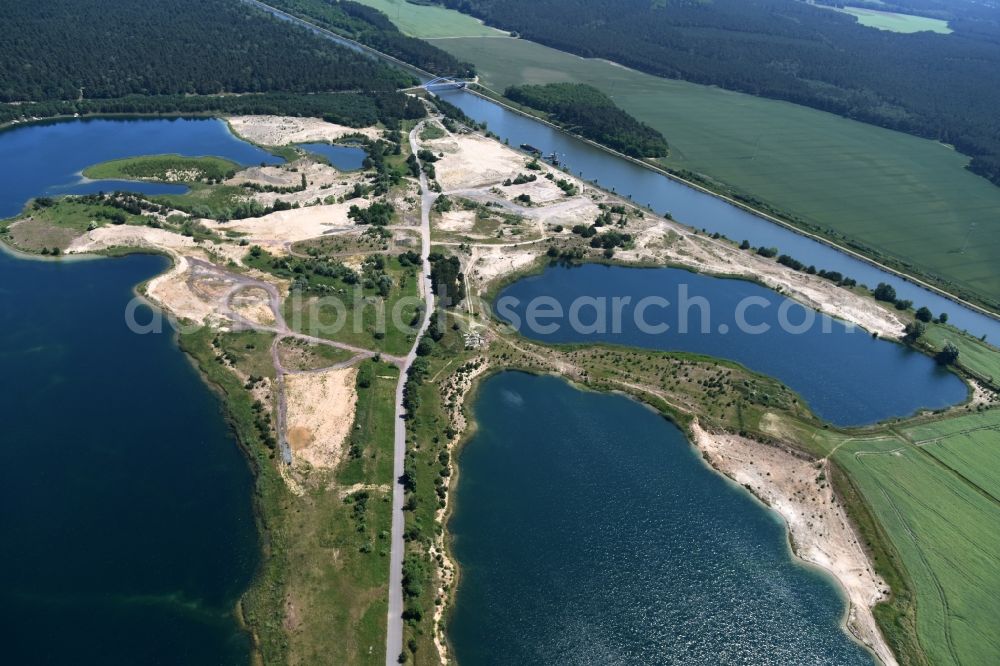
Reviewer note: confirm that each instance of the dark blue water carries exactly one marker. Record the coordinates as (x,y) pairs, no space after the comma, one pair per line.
(125,503)
(699,210)
(846,376)
(345,158)
(600,537)
(47,158)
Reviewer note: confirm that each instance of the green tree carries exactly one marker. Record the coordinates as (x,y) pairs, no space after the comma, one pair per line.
(885,292)
(948,355)
(914,330)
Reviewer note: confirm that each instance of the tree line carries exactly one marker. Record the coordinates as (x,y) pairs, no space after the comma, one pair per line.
(589,112)
(351,109)
(942,87)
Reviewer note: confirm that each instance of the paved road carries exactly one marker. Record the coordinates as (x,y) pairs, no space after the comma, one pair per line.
(394,628)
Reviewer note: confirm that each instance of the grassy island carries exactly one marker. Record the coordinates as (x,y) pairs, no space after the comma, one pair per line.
(165,168)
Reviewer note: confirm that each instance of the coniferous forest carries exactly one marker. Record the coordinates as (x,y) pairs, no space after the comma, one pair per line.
(59,50)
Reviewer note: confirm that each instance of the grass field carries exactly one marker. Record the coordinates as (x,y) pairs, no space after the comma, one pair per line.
(936,491)
(894,22)
(430,21)
(978,357)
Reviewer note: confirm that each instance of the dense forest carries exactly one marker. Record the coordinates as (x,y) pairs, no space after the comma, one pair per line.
(589,112)
(943,87)
(352,109)
(62,49)
(373,28)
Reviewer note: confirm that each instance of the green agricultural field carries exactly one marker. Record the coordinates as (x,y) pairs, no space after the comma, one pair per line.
(897,22)
(935,493)
(431,21)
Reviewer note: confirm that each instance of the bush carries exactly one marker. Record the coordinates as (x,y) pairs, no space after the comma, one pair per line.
(948,355)
(884,292)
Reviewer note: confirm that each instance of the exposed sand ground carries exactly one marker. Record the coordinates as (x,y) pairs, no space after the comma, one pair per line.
(486,264)
(472,160)
(458,384)
(274,230)
(817,524)
(473,166)
(456,220)
(127,235)
(320,413)
(282,130)
(254,304)
(322,181)
(275,176)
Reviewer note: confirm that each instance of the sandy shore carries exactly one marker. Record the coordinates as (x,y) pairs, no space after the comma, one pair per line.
(818,527)
(283,130)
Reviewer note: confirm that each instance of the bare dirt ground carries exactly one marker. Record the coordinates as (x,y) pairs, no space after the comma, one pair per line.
(819,529)
(255,305)
(322,181)
(125,235)
(320,413)
(474,167)
(173,292)
(472,160)
(275,176)
(275,230)
(486,264)
(456,220)
(282,130)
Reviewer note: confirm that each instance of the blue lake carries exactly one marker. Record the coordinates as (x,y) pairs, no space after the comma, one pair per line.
(845,375)
(590,532)
(127,511)
(46,158)
(345,158)
(127,519)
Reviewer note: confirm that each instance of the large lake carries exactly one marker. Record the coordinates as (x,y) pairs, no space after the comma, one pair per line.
(590,532)
(846,376)
(127,514)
